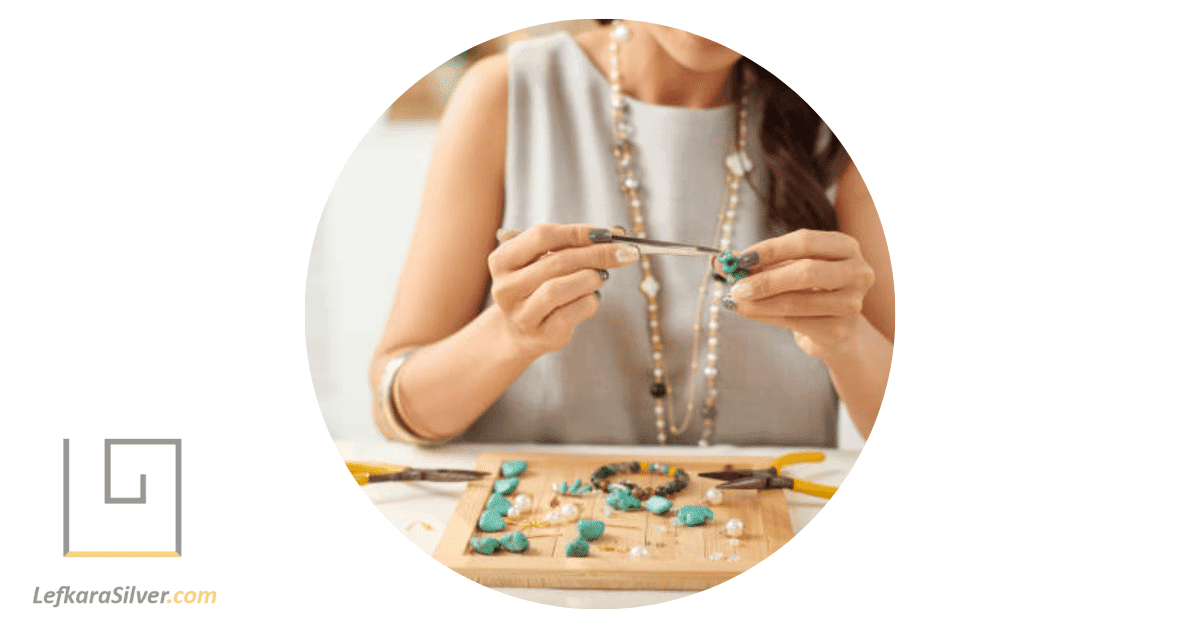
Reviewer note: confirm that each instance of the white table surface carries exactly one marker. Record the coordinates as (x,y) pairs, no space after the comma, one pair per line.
(408,505)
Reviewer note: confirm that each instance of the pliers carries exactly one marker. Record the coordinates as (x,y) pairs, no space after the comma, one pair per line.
(369,473)
(771,479)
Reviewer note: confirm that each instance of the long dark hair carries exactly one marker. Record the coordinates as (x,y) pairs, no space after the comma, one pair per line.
(800,164)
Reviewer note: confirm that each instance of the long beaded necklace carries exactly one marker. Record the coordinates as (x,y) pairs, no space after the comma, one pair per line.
(737,165)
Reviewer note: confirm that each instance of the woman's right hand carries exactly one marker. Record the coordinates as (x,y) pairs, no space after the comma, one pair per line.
(546,280)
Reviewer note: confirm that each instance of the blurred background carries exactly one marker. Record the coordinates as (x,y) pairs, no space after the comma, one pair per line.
(364,232)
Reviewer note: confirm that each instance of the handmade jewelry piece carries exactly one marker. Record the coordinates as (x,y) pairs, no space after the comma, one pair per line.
(730,266)
(737,164)
(678,483)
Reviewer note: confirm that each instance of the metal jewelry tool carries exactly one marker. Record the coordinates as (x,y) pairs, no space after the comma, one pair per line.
(370,473)
(770,478)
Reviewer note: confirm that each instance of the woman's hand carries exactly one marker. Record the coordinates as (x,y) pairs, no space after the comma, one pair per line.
(546,280)
(811,282)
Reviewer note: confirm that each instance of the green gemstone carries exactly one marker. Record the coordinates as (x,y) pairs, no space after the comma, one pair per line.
(484,545)
(614,499)
(491,521)
(504,486)
(577,548)
(691,518)
(513,468)
(729,267)
(590,529)
(628,502)
(575,486)
(740,274)
(515,541)
(498,503)
(658,505)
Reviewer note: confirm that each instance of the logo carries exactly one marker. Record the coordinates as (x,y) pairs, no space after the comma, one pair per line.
(146,525)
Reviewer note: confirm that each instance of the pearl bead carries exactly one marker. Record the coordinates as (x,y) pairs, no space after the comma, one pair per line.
(714,309)
(639,551)
(523,501)
(655,339)
(658,410)
(514,511)
(714,496)
(712,342)
(657,355)
(712,358)
(703,442)
(735,528)
(658,372)
(716,556)
(568,511)
(710,371)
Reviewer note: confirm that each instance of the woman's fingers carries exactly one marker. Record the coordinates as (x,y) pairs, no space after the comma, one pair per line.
(805,243)
(803,275)
(526,247)
(840,303)
(556,293)
(562,263)
(564,319)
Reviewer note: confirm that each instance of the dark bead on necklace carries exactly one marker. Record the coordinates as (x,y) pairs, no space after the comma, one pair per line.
(709,412)
(658,389)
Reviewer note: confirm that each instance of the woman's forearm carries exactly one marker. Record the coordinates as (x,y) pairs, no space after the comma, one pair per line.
(446,385)
(860,374)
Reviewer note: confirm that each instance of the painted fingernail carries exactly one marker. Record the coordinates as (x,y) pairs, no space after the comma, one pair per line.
(600,236)
(603,274)
(626,253)
(618,229)
(719,277)
(749,259)
(729,303)
(740,291)
(597,294)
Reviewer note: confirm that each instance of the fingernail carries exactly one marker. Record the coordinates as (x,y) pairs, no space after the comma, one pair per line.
(729,303)
(597,294)
(603,274)
(600,236)
(719,277)
(740,291)
(618,229)
(748,260)
(626,253)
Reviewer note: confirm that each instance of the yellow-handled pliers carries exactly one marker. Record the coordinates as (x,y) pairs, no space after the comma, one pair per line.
(770,478)
(369,472)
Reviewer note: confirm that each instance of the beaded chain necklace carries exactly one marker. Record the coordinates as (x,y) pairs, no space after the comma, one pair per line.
(737,165)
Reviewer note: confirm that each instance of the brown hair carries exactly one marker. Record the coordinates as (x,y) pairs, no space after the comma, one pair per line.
(799,169)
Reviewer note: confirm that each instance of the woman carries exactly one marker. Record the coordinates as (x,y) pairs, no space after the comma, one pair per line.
(709,149)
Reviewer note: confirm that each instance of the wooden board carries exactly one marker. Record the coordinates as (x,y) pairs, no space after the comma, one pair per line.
(679,555)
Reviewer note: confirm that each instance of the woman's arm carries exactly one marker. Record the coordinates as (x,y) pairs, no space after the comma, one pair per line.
(544,281)
(860,372)
(445,275)
(834,290)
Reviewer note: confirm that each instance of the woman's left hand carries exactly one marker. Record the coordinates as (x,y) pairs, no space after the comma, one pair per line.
(811,282)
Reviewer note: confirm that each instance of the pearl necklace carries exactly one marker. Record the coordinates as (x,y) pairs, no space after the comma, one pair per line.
(737,165)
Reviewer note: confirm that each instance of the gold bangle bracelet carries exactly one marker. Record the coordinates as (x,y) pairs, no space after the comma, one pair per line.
(391,414)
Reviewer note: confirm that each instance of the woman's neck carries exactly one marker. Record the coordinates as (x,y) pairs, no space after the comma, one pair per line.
(651,75)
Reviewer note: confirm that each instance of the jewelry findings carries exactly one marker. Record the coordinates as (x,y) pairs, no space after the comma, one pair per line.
(737,165)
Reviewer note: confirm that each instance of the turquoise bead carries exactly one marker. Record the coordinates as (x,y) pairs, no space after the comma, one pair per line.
(628,502)
(577,548)
(614,499)
(504,486)
(513,468)
(575,486)
(515,541)
(491,521)
(658,504)
(484,545)
(695,515)
(590,529)
(498,503)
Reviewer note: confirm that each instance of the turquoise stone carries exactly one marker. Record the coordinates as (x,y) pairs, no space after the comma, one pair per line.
(484,545)
(575,486)
(513,468)
(695,515)
(562,488)
(491,521)
(577,548)
(504,486)
(658,504)
(590,529)
(628,502)
(498,503)
(614,499)
(515,541)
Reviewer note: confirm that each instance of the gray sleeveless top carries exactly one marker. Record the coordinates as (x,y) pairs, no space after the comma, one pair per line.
(559,168)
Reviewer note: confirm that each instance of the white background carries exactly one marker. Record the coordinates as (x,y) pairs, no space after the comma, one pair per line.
(164,168)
